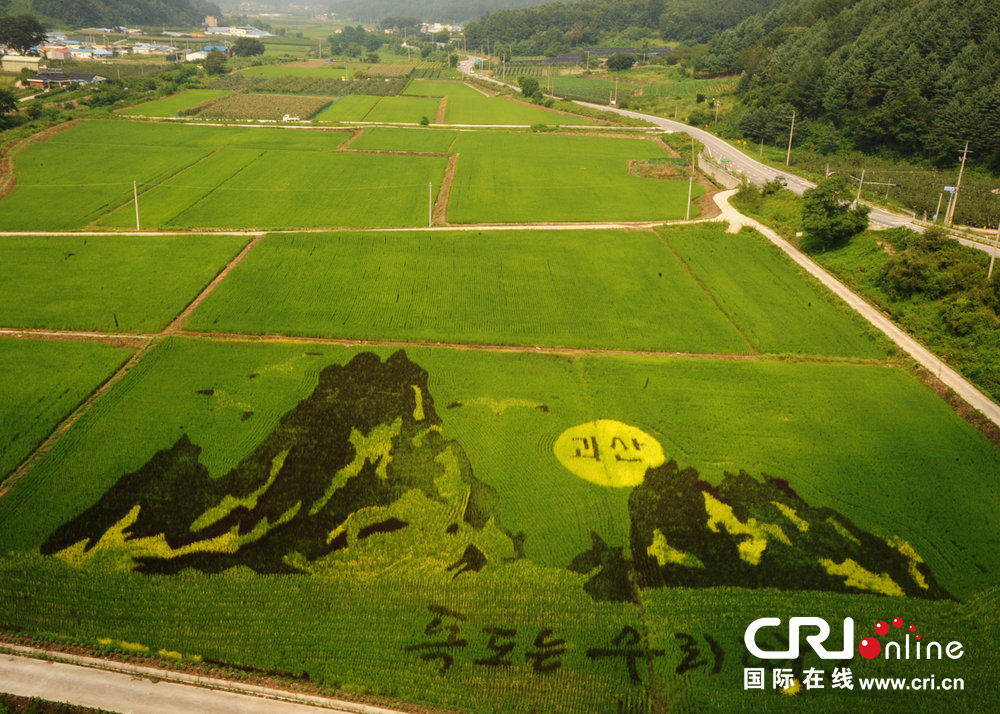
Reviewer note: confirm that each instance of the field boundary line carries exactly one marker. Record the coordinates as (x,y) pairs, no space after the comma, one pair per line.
(114,338)
(927,359)
(207,684)
(355,135)
(517,349)
(440,213)
(707,292)
(177,323)
(56,435)
(442,108)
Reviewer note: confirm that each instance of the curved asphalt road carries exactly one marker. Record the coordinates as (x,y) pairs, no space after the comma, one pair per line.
(718,148)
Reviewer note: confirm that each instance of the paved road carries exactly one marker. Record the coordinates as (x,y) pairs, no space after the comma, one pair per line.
(961,386)
(121,687)
(718,148)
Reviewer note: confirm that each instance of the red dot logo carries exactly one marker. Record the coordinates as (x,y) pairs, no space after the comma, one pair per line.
(913,628)
(897,622)
(869,648)
(881,627)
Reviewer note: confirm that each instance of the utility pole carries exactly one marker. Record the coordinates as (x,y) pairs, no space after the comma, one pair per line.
(717,103)
(861,183)
(430,204)
(791,132)
(993,257)
(954,196)
(937,211)
(135,194)
(687,212)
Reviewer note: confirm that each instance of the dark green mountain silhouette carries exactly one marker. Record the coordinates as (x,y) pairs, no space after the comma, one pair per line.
(366,435)
(747,533)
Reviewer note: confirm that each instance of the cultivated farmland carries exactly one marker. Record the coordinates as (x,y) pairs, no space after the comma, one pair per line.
(41,382)
(394,565)
(549,177)
(254,105)
(471,106)
(599,289)
(116,284)
(476,468)
(175,104)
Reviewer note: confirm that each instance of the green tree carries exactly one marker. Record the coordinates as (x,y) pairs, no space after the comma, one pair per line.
(215,63)
(248,47)
(620,61)
(828,218)
(8,103)
(529,87)
(21,32)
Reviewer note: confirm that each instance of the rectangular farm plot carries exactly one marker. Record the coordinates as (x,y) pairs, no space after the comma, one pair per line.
(253,105)
(173,105)
(113,283)
(215,177)
(297,189)
(295,69)
(550,177)
(776,305)
(162,203)
(63,184)
(350,107)
(599,289)
(470,106)
(41,382)
(408,110)
(435,141)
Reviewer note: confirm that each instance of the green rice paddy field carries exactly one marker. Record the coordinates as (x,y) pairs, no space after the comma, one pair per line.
(272,178)
(41,381)
(470,106)
(397,583)
(174,104)
(599,289)
(479,470)
(110,283)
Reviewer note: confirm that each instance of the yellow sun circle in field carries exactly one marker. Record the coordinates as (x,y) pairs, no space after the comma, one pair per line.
(608,452)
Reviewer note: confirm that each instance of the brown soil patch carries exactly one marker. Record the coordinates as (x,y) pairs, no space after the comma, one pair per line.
(707,207)
(481,90)
(442,106)
(357,133)
(8,173)
(671,151)
(178,322)
(444,195)
(639,167)
(312,63)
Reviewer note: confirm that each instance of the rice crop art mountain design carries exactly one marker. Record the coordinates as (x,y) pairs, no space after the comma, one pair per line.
(685,532)
(366,437)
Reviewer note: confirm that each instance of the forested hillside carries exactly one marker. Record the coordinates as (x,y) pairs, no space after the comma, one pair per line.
(914,77)
(426,10)
(558,26)
(83,13)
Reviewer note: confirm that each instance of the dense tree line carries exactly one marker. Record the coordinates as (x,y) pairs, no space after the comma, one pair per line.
(909,77)
(84,13)
(559,26)
(372,11)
